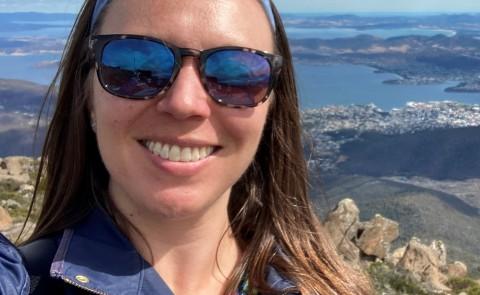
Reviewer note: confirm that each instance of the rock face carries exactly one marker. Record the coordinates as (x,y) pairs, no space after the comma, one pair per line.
(371,240)
(441,250)
(424,263)
(342,224)
(5,220)
(396,255)
(457,269)
(16,168)
(354,238)
(376,236)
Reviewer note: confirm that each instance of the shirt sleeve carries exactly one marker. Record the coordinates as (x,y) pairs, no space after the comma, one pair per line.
(14,278)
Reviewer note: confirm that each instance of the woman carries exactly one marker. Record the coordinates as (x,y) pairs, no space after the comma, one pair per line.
(173,162)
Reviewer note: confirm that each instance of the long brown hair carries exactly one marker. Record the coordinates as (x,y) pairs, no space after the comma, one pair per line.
(271,215)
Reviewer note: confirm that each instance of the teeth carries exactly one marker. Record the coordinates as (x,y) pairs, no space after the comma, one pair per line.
(195,154)
(202,152)
(176,153)
(186,155)
(156,148)
(164,152)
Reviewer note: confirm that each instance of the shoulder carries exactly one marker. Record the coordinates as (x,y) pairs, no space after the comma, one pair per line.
(38,256)
(279,283)
(14,277)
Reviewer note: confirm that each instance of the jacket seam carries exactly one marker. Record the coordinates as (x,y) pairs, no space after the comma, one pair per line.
(58,261)
(142,274)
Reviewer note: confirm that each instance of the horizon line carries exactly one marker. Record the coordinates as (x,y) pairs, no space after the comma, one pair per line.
(426,12)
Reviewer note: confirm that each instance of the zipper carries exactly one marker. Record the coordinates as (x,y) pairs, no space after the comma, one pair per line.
(70,282)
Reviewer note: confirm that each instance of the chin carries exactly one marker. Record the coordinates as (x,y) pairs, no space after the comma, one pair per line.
(178,206)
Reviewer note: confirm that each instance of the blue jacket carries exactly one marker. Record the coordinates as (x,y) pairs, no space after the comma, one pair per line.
(94,256)
(13,276)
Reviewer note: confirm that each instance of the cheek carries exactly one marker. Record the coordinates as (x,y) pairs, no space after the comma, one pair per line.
(113,114)
(110,110)
(247,130)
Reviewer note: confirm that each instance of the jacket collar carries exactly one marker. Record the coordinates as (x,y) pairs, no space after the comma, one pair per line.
(94,255)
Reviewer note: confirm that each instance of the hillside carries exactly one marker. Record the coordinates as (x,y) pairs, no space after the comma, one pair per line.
(424,213)
(437,154)
(21,96)
(19,106)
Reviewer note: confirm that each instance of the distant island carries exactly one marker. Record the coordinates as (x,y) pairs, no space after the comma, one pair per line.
(415,59)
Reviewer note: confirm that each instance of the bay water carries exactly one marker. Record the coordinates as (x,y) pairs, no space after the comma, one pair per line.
(319,85)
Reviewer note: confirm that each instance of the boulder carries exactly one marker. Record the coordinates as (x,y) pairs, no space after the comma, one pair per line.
(342,224)
(26,191)
(16,168)
(457,269)
(424,264)
(10,204)
(377,235)
(396,255)
(5,220)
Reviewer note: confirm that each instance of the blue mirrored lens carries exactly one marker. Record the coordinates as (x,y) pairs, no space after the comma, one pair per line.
(237,77)
(136,68)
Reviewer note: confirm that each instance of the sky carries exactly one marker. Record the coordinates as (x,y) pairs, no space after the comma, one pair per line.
(285,6)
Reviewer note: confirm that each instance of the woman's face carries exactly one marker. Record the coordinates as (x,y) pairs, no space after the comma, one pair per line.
(184,117)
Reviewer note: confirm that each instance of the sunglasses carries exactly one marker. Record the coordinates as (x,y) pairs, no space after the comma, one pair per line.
(140,67)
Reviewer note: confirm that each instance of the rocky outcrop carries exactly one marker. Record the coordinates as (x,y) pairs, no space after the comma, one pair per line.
(457,269)
(424,263)
(17,169)
(16,192)
(354,238)
(376,236)
(363,242)
(396,255)
(342,224)
(440,250)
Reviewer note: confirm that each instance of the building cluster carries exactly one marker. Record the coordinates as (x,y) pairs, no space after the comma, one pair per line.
(328,128)
(415,116)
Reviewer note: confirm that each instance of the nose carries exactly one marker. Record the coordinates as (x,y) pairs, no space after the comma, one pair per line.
(187,97)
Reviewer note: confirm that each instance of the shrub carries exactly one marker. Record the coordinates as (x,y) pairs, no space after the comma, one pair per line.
(385,279)
(466,285)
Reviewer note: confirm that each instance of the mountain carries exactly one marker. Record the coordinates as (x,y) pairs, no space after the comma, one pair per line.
(437,154)
(20,103)
(21,96)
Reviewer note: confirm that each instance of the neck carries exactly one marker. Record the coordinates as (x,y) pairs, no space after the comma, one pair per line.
(191,253)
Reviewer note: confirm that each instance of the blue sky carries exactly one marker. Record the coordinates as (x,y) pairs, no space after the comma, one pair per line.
(284,5)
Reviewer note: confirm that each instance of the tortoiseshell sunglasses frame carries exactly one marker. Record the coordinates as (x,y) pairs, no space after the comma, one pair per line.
(98,42)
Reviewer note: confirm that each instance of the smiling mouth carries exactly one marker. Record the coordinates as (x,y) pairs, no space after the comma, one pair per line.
(176,153)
